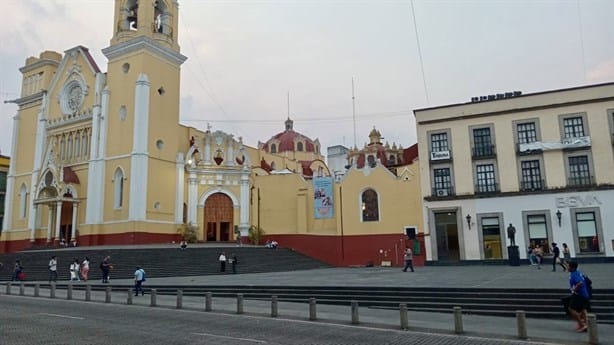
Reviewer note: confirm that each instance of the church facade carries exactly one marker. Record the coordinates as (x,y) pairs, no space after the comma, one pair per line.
(100,158)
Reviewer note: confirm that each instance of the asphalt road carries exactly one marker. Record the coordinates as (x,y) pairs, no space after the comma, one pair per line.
(32,321)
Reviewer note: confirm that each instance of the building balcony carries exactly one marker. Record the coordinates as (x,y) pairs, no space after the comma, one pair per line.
(440,156)
(487,188)
(483,152)
(443,192)
(531,186)
(581,181)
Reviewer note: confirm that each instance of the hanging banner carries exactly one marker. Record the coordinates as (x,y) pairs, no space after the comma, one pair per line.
(323,197)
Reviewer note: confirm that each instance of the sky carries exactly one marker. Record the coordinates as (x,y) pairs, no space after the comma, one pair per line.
(246,58)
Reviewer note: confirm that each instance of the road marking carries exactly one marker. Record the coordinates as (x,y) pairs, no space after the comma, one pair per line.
(233,338)
(64,316)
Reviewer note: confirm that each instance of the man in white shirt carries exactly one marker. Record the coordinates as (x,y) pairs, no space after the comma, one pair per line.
(139,277)
(53,269)
(222,260)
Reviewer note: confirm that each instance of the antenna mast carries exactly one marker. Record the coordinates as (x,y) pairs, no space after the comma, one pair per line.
(354,112)
(288,104)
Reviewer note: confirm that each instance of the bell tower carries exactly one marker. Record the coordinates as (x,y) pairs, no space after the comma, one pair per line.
(138,129)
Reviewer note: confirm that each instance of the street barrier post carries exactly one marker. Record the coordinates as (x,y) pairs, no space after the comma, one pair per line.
(458,320)
(52,291)
(403,310)
(208,301)
(593,335)
(274,306)
(355,320)
(129,297)
(88,293)
(312,309)
(37,290)
(153,301)
(107,295)
(521,322)
(239,303)
(179,299)
(69,291)
(22,289)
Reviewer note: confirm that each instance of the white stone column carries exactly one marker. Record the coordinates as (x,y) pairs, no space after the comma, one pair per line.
(49,223)
(73,231)
(10,180)
(58,220)
(192,199)
(179,187)
(41,135)
(139,166)
(244,215)
(33,216)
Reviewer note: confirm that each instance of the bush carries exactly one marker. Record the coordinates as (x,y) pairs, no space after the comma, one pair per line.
(255,234)
(188,232)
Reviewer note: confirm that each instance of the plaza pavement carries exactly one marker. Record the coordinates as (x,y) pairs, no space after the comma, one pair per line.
(486,276)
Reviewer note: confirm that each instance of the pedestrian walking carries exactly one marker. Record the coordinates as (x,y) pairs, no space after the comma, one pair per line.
(579,303)
(566,255)
(556,258)
(222,260)
(85,268)
(233,263)
(74,270)
(409,258)
(106,266)
(539,255)
(53,269)
(17,271)
(139,278)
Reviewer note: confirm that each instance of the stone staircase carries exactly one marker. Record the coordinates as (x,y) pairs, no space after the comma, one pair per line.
(158,262)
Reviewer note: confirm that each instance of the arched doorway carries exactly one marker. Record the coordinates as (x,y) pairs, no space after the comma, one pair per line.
(218,218)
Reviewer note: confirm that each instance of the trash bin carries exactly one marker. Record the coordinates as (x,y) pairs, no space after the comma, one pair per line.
(514,255)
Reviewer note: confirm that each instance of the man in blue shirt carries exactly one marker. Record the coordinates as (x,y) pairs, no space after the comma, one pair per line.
(579,303)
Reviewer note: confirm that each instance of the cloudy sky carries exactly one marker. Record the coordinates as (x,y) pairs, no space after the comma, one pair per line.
(246,56)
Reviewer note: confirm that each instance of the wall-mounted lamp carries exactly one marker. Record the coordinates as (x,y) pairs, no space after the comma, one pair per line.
(189,161)
(558,216)
(468,221)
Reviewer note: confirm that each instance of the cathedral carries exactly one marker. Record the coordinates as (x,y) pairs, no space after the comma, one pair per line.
(101,158)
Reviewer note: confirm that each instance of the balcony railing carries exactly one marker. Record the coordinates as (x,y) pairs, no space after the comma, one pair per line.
(443,192)
(486,188)
(579,181)
(483,151)
(525,149)
(533,185)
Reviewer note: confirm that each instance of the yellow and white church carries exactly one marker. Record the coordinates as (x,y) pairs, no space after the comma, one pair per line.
(100,158)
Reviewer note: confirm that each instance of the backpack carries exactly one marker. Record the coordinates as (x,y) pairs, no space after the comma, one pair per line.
(144,279)
(589,285)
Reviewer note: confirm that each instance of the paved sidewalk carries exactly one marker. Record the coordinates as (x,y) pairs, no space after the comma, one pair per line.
(551,331)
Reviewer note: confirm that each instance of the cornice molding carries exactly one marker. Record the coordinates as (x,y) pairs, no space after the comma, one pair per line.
(39,64)
(143,43)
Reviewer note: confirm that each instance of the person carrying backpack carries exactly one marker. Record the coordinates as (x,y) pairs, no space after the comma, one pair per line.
(579,303)
(139,278)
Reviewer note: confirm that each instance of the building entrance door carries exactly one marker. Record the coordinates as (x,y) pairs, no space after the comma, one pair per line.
(447,236)
(218,218)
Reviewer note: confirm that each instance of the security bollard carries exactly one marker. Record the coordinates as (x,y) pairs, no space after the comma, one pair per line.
(593,335)
(208,301)
(354,305)
(69,291)
(521,323)
(312,309)
(274,306)
(37,290)
(52,291)
(22,289)
(129,297)
(458,320)
(403,310)
(179,299)
(88,293)
(8,288)
(153,301)
(239,303)
(107,295)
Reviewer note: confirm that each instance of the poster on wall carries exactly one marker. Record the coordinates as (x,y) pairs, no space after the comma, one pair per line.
(323,197)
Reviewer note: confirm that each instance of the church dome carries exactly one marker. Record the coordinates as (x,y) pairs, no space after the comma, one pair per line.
(292,141)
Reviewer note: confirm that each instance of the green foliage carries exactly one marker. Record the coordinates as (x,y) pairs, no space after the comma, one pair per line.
(255,234)
(188,232)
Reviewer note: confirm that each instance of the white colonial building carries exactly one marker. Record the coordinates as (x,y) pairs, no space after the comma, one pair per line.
(543,162)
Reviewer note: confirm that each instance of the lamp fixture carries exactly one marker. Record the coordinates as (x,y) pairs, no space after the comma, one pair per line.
(468,221)
(558,216)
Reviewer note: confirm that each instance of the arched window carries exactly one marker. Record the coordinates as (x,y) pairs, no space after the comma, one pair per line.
(118,181)
(371,161)
(370,207)
(273,148)
(299,146)
(23,201)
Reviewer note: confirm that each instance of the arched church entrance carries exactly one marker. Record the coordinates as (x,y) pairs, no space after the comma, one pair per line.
(218,218)
(66,220)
